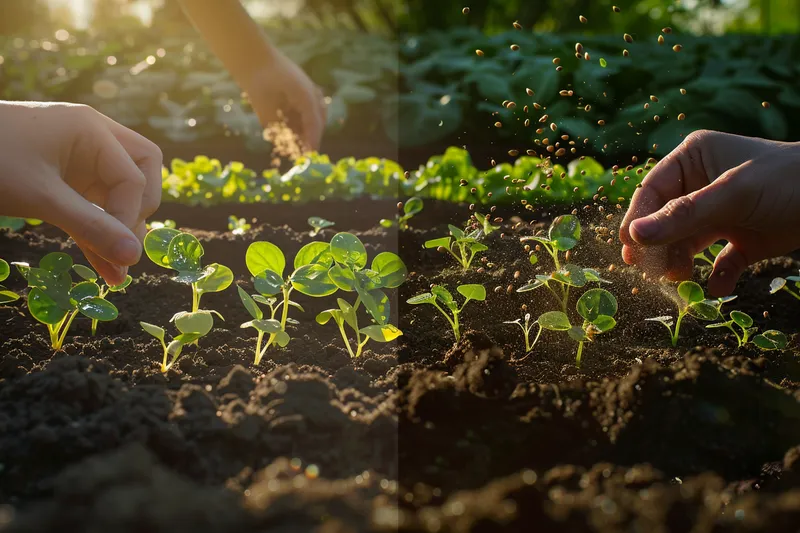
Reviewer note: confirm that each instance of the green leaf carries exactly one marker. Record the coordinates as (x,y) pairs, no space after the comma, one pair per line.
(282,338)
(155,331)
(412,206)
(348,250)
(97,308)
(533,259)
(386,223)
(565,232)
(268,283)
(84,289)
(7,296)
(715,249)
(742,319)
(384,333)
(441,241)
(442,294)
(264,325)
(325,316)
(595,303)
(555,321)
(314,252)
(390,268)
(122,286)
(263,256)
(690,292)
(457,233)
(604,323)
(577,334)
(531,286)
(593,275)
(199,322)
(184,253)
(343,277)
(319,223)
(666,320)
(156,245)
(313,280)
(348,313)
(377,304)
(771,340)
(180,340)
(55,285)
(571,275)
(84,272)
(776,285)
(703,311)
(189,277)
(5,270)
(265,301)
(472,291)
(216,278)
(43,308)
(424,298)
(57,262)
(250,304)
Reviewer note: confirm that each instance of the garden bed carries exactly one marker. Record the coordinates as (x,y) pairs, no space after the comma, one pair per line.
(419,435)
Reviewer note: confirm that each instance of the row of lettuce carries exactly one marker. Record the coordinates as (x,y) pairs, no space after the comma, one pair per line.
(428,88)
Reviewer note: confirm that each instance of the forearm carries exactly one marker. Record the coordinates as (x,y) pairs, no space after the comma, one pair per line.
(232,35)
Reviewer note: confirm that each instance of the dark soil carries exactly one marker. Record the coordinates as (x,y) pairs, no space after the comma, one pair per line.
(420,435)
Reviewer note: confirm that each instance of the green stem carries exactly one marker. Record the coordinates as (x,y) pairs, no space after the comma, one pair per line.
(456,327)
(453,325)
(361,346)
(258,347)
(565,301)
(195,299)
(286,292)
(790,291)
(677,329)
(580,353)
(535,340)
(65,329)
(346,340)
(53,335)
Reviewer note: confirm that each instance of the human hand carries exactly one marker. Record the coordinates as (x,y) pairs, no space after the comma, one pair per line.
(60,162)
(281,86)
(715,186)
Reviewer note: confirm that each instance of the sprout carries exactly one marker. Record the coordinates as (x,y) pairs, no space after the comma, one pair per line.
(713,250)
(695,305)
(55,300)
(462,246)
(527,326)
(155,224)
(237,226)
(486,223)
(191,325)
(410,208)
(89,275)
(182,252)
(769,340)
(782,284)
(342,265)
(318,224)
(440,296)
(6,296)
(564,234)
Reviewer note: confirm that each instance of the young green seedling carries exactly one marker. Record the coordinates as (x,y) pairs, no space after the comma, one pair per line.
(597,307)
(343,264)
(782,284)
(526,327)
(191,325)
(55,300)
(695,305)
(238,226)
(440,296)
(6,296)
(769,340)
(462,246)
(485,222)
(410,208)
(712,250)
(563,235)
(182,252)
(89,275)
(318,224)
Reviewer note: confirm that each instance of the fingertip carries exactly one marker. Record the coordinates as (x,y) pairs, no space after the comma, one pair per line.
(644,230)
(729,266)
(630,254)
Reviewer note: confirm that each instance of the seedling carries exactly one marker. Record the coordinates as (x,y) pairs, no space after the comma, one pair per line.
(410,208)
(182,252)
(191,325)
(6,296)
(89,275)
(157,224)
(563,235)
(713,250)
(238,226)
(526,327)
(440,296)
(55,300)
(343,263)
(782,284)
(694,304)
(462,246)
(485,222)
(318,224)
(769,340)
(597,307)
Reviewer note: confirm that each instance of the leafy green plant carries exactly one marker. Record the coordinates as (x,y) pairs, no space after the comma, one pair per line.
(318,224)
(342,265)
(462,246)
(694,304)
(6,296)
(442,299)
(769,340)
(713,251)
(410,207)
(192,326)
(89,275)
(596,307)
(563,235)
(485,222)
(182,252)
(782,284)
(238,226)
(55,300)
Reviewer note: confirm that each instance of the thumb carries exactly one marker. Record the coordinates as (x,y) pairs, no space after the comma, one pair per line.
(728,268)
(718,204)
(93,228)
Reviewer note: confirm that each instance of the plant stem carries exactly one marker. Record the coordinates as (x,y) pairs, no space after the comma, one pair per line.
(195,299)
(580,353)
(790,291)
(346,340)
(258,348)
(65,329)
(677,329)
(453,325)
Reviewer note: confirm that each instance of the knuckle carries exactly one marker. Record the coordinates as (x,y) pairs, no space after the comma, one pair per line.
(698,138)
(679,208)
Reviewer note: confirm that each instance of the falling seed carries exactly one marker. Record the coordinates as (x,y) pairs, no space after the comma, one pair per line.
(579,48)
(677,48)
(603,62)
(583,19)
(666,30)
(498,124)
(765,104)
(556,60)
(498,289)
(560,152)
(611,267)
(653,98)
(465,11)
(628,38)
(766,314)
(616,9)
(683,91)
(517,25)
(511,105)
(513,153)
(536,105)
(479,52)
(656,118)
(634,291)
(527,122)
(625,53)
(514,47)
(660,39)
(553,126)
(586,56)
(681,116)
(601,122)
(559,68)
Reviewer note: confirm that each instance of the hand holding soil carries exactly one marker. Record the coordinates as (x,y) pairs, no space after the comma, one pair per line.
(715,186)
(79,170)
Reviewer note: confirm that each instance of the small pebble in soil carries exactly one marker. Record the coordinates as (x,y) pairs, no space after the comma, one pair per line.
(498,289)
(635,291)
(766,314)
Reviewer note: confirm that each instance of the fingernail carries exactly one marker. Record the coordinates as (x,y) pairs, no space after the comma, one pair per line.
(645,228)
(127,251)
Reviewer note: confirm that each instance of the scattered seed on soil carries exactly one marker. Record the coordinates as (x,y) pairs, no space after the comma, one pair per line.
(628,38)
(498,124)
(635,291)
(766,314)
(677,48)
(513,153)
